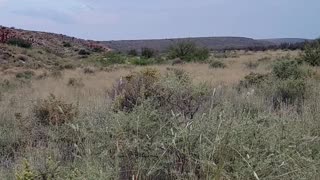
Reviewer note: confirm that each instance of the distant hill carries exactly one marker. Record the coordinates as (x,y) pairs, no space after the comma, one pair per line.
(212,43)
(279,41)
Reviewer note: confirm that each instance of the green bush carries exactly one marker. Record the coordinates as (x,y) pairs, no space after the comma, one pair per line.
(19,42)
(188,51)
(289,92)
(148,53)
(217,64)
(311,53)
(84,52)
(112,58)
(284,69)
(142,61)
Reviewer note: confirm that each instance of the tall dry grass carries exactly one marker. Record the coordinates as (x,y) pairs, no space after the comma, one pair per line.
(236,134)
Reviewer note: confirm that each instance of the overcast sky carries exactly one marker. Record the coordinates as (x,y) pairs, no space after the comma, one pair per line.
(143,19)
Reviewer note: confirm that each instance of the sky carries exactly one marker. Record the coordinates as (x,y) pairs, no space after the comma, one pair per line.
(154,19)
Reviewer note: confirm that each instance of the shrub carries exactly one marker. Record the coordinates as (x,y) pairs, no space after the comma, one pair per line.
(54,111)
(311,53)
(217,64)
(112,58)
(289,92)
(26,173)
(75,82)
(19,42)
(133,89)
(173,93)
(133,52)
(188,51)
(89,70)
(148,53)
(142,61)
(66,44)
(285,69)
(84,52)
(253,79)
(25,75)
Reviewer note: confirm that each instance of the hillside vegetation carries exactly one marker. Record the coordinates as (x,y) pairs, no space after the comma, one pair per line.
(188,113)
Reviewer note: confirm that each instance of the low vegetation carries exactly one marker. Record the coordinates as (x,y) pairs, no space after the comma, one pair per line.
(214,115)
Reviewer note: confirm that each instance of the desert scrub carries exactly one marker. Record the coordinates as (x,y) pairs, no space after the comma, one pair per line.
(75,82)
(25,75)
(253,80)
(311,53)
(172,93)
(188,51)
(284,69)
(134,88)
(217,64)
(19,42)
(111,58)
(141,61)
(54,111)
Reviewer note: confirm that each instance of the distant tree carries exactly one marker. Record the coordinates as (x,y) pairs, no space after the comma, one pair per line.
(188,51)
(133,52)
(147,53)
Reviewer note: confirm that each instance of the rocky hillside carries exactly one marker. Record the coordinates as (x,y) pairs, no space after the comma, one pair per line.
(42,48)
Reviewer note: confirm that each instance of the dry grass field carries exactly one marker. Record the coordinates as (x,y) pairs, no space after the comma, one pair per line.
(188,121)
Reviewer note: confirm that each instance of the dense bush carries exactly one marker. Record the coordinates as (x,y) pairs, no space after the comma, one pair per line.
(253,80)
(172,93)
(53,111)
(311,53)
(131,90)
(112,58)
(19,42)
(188,51)
(289,92)
(83,52)
(284,69)
(147,53)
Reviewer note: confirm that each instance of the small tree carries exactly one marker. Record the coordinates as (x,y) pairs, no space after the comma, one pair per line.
(182,50)
(188,51)
(147,53)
